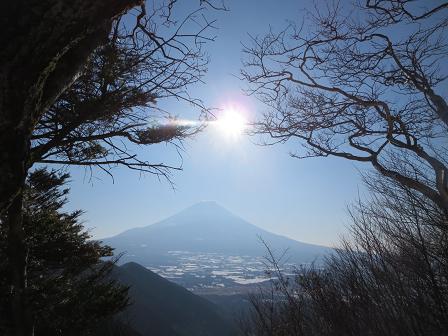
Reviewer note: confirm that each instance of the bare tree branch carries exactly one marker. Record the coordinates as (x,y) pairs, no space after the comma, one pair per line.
(350,87)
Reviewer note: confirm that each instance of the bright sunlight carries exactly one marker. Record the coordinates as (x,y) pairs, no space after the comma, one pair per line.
(232,122)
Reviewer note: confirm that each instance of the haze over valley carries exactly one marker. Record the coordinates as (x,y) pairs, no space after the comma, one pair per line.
(208,249)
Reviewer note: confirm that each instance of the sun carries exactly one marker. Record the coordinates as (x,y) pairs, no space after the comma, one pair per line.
(231,122)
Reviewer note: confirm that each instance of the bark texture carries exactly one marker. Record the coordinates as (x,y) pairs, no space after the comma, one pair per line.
(45,43)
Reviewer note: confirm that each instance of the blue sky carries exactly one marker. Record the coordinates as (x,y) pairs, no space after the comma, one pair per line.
(303,199)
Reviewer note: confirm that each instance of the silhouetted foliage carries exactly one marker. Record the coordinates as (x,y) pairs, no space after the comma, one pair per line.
(349,85)
(110,109)
(68,290)
(390,277)
(79,82)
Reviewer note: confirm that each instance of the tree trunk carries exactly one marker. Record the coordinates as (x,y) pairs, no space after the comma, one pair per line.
(440,106)
(14,170)
(20,312)
(42,54)
(45,43)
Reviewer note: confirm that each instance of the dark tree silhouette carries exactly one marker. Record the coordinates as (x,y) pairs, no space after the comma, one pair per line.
(79,81)
(364,83)
(389,278)
(68,287)
(111,107)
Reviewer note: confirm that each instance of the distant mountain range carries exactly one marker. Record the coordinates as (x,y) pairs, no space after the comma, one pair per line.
(206,227)
(162,308)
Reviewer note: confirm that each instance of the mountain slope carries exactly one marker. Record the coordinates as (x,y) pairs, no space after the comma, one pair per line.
(162,308)
(207,227)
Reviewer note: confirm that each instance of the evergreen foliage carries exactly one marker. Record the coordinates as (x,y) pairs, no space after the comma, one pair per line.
(68,286)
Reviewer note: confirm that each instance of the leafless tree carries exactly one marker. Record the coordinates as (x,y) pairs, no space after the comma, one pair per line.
(363,82)
(111,106)
(389,278)
(79,83)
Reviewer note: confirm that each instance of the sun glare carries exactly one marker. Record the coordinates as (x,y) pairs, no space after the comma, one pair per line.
(232,122)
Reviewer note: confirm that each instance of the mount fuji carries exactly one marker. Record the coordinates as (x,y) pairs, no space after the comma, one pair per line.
(207,241)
